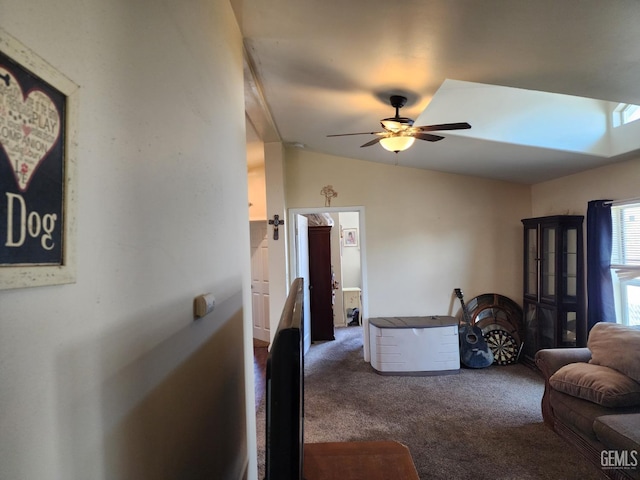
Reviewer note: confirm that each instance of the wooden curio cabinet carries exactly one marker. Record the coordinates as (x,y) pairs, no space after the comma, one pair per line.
(554,300)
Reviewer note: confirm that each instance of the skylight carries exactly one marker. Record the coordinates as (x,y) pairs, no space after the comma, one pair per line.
(536,119)
(625,113)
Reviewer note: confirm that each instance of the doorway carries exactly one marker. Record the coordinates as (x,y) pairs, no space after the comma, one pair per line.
(260,280)
(348,259)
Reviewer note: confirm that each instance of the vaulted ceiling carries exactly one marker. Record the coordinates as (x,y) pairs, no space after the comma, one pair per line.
(537,80)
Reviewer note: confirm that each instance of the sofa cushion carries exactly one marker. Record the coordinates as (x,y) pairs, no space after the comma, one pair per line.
(616,346)
(619,432)
(598,384)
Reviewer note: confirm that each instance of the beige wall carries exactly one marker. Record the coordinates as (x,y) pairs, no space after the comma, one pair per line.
(257,194)
(570,195)
(256,175)
(426,232)
(110,377)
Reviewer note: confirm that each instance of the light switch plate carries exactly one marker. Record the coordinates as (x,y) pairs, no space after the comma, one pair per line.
(203,304)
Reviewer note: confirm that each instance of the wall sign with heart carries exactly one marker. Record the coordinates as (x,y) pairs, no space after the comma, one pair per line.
(29,127)
(38,140)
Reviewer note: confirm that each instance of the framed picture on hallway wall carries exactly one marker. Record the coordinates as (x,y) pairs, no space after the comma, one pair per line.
(350,237)
(37,169)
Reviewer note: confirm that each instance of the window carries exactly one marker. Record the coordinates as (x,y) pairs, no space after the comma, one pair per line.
(625,113)
(625,262)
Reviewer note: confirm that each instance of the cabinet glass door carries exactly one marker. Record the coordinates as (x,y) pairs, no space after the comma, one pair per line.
(568,329)
(547,327)
(570,262)
(531,266)
(531,329)
(548,266)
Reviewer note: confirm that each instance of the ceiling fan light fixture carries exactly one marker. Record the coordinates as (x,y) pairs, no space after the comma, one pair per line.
(400,133)
(390,125)
(397,144)
(396,124)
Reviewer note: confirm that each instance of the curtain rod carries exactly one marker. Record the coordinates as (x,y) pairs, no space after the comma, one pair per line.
(614,203)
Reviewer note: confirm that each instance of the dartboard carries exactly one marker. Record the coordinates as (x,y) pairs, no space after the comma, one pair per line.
(505,348)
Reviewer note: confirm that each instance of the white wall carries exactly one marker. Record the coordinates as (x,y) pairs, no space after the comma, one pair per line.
(256,175)
(336,266)
(427,232)
(110,377)
(278,258)
(257,194)
(351,274)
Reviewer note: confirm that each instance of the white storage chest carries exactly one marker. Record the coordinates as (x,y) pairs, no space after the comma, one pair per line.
(414,345)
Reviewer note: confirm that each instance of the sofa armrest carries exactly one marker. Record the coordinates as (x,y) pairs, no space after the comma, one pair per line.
(549,361)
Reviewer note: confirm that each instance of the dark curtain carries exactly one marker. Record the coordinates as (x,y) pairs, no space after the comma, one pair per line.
(601,306)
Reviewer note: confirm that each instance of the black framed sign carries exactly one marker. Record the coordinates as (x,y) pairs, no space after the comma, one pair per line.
(36,170)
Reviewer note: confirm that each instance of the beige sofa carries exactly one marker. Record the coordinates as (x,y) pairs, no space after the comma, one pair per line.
(592,397)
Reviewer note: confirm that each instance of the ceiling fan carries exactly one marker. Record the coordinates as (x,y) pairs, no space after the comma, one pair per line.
(399,132)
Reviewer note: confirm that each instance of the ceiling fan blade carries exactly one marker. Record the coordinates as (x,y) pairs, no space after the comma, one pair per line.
(372,142)
(444,126)
(361,133)
(427,136)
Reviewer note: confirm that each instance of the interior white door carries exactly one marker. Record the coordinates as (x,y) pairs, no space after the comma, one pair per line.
(302,261)
(260,280)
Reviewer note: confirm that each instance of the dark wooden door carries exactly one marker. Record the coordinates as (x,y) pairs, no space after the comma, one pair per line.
(321,283)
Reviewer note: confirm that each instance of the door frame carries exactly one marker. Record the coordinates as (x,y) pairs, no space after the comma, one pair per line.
(360,209)
(302,259)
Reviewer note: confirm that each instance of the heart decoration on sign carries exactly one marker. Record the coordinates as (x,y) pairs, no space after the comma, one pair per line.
(29,127)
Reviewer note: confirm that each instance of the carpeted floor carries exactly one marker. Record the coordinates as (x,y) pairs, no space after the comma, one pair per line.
(478,424)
